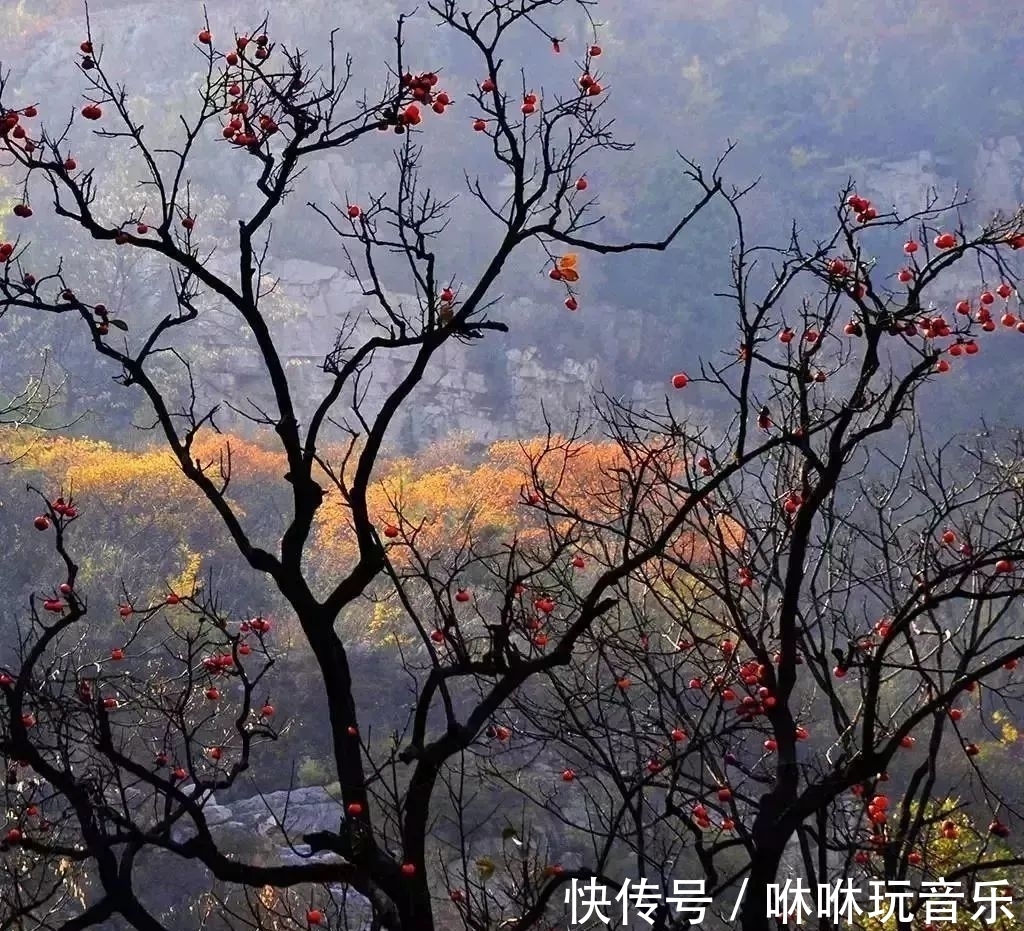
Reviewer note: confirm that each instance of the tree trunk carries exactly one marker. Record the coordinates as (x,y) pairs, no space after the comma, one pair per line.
(764,870)
(770,837)
(414,910)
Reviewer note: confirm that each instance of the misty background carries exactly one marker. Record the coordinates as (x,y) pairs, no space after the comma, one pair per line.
(902,97)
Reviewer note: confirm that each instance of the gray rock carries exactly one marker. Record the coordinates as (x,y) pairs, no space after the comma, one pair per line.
(998,170)
(298,812)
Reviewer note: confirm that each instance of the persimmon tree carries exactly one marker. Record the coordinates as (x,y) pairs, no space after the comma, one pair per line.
(110,757)
(816,695)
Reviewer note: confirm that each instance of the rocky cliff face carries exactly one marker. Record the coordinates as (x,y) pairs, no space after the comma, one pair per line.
(993,180)
(487,389)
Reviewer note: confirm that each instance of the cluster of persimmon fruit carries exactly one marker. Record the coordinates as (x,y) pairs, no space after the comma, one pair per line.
(240,130)
(15,135)
(92,110)
(877,814)
(843,276)
(262,44)
(424,92)
(532,624)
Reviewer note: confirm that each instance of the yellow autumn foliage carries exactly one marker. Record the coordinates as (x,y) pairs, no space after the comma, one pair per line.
(141,479)
(442,504)
(186,581)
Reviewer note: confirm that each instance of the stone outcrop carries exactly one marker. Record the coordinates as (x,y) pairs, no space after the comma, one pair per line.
(281,818)
(487,389)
